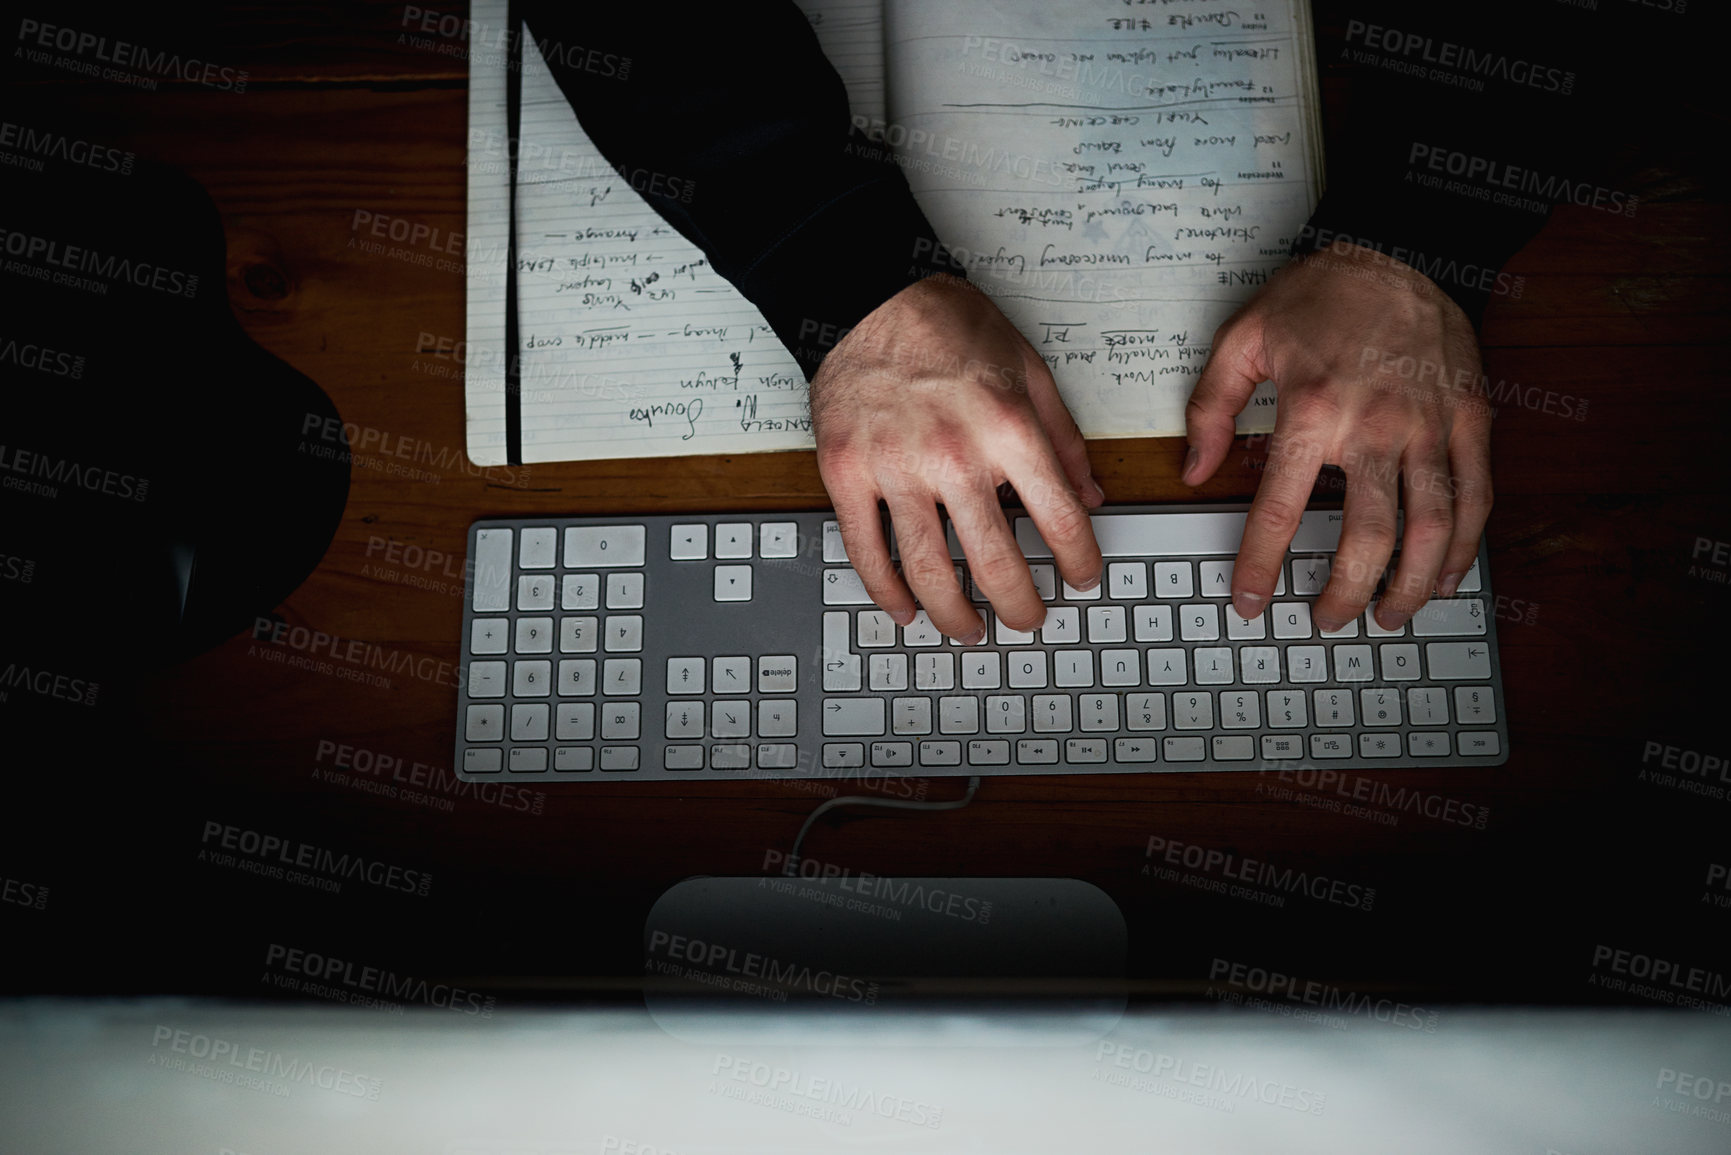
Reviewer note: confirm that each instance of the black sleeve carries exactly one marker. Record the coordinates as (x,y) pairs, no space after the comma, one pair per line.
(729,120)
(1467,121)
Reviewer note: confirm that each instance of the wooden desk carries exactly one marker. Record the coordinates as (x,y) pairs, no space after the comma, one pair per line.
(1612,637)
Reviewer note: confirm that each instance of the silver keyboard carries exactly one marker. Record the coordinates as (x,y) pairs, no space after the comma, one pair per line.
(742,645)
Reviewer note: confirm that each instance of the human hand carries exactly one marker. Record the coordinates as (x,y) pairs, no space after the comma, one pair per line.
(936,398)
(1336,333)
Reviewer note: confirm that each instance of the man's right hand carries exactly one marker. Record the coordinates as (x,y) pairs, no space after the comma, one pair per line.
(935,398)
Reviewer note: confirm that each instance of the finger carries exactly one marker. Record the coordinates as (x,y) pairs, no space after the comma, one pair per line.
(1233,371)
(862,534)
(1066,439)
(1367,538)
(1470,457)
(1060,517)
(999,569)
(1430,528)
(928,569)
(1295,454)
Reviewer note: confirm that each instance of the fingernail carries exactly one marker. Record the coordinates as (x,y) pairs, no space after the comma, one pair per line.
(1190,461)
(1087,585)
(1328,625)
(1391,621)
(1099,494)
(1248,605)
(975,638)
(902,617)
(1446,587)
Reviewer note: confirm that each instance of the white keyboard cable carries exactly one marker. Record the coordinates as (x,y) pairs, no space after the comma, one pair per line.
(791,867)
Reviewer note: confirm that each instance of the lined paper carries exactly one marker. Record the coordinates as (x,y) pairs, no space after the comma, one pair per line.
(1119,177)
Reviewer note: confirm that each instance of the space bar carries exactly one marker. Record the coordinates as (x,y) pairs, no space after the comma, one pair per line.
(1182,534)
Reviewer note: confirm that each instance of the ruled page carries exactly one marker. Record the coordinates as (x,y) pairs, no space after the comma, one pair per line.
(632,346)
(1119,176)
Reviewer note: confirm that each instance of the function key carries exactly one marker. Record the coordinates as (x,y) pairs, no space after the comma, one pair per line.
(833,549)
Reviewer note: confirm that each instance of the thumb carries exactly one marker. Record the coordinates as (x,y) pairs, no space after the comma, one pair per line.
(1233,371)
(1066,439)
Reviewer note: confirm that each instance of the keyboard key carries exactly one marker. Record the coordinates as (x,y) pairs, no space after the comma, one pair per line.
(1242,629)
(1427,706)
(1379,746)
(1107,624)
(576,677)
(619,759)
(1470,583)
(731,675)
(1213,665)
(1458,661)
(1037,752)
(489,636)
(1063,626)
(842,755)
(1309,576)
(1072,668)
(624,591)
(1287,710)
(1098,712)
(1427,744)
(1193,711)
(1291,620)
(911,716)
(841,667)
(486,679)
(531,679)
(1127,580)
(854,717)
(486,760)
(684,720)
(843,587)
(622,676)
(778,539)
(1333,707)
(1475,706)
(730,756)
(1330,746)
(1371,629)
(989,752)
(1199,622)
(876,629)
(1234,747)
(538,548)
(1045,581)
(1153,623)
(932,672)
(1379,707)
(1353,664)
(1450,618)
(920,632)
(778,674)
(1478,743)
(578,635)
(956,715)
(940,753)
(1172,579)
(685,675)
(529,722)
(1240,710)
(892,754)
(730,719)
(689,543)
(777,756)
(981,670)
(535,591)
(833,549)
(1051,713)
(1189,749)
(528,760)
(1005,636)
(733,540)
(732,583)
(888,671)
(1306,664)
(682,757)
(1120,667)
(1217,579)
(1084,751)
(777,718)
(491,592)
(624,634)
(1278,747)
(1006,714)
(1399,662)
(1258,665)
(573,759)
(534,636)
(1136,749)
(574,721)
(1028,669)
(1168,668)
(485,723)
(603,546)
(1145,711)
(1072,594)
(580,591)
(620,721)
(1348,629)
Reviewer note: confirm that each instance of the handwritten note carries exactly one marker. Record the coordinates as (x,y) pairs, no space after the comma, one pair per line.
(632,346)
(1119,175)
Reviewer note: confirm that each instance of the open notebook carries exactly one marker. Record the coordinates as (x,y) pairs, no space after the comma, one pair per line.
(1117,176)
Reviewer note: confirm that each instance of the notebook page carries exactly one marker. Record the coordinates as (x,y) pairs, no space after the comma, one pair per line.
(632,346)
(1118,176)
